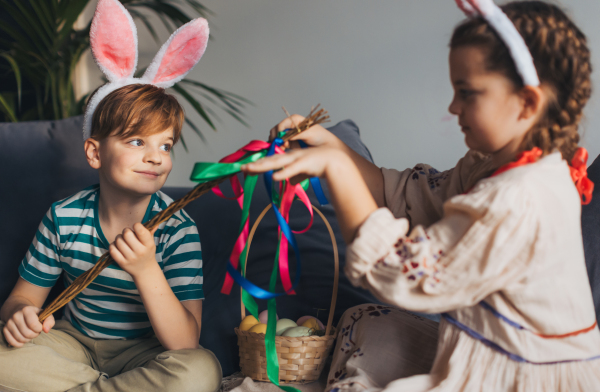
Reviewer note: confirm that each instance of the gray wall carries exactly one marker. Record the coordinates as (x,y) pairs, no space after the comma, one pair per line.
(381,63)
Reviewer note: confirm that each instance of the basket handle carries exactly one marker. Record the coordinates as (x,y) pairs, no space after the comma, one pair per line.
(335,258)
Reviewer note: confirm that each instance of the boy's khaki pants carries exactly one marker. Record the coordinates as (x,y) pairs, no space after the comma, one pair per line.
(66,360)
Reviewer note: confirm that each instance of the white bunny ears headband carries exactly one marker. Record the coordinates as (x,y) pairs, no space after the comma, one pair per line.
(113,38)
(507,32)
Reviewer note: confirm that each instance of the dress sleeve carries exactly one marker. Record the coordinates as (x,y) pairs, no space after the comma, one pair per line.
(418,194)
(41,265)
(484,242)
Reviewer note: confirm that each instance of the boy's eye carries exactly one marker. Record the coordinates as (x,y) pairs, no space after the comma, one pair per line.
(166,147)
(136,142)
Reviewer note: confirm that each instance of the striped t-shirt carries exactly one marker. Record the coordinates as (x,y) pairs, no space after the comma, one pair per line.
(70,240)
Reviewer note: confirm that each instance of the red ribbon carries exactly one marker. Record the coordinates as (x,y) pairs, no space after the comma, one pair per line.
(288,195)
(578,168)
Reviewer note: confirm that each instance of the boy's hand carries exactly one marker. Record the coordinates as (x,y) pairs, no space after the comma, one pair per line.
(24,326)
(134,250)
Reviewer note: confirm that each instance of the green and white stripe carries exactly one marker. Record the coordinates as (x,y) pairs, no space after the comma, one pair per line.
(70,240)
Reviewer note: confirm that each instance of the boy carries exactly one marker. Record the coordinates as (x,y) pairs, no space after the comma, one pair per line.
(137,326)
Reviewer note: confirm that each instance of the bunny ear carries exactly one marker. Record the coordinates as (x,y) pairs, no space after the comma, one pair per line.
(466,7)
(483,7)
(179,54)
(113,39)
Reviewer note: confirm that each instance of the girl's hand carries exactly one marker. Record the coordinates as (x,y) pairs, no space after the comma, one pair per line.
(24,326)
(314,136)
(134,250)
(299,164)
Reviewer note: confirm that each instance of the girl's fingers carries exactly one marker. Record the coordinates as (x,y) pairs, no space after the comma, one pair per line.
(271,163)
(290,122)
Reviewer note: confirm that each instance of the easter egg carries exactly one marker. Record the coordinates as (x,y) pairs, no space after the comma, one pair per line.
(263,317)
(311,323)
(297,332)
(283,325)
(302,319)
(248,322)
(259,328)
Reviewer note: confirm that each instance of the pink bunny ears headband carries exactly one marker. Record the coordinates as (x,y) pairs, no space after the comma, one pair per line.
(113,38)
(507,32)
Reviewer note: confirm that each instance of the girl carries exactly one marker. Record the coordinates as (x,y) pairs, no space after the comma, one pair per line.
(495,243)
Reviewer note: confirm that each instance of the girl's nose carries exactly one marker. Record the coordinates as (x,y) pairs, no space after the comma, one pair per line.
(454,107)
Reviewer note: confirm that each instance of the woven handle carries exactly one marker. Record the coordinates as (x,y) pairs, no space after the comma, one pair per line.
(336,259)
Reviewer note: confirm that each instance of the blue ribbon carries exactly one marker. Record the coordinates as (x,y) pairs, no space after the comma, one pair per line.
(316,184)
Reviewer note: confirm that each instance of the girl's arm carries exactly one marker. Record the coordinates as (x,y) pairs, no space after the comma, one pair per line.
(350,195)
(176,324)
(317,136)
(20,312)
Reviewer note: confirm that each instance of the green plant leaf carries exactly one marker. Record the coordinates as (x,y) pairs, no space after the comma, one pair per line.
(146,23)
(196,130)
(7,109)
(195,104)
(17,72)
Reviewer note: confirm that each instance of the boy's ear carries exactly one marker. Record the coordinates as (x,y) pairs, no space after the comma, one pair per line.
(534,100)
(92,152)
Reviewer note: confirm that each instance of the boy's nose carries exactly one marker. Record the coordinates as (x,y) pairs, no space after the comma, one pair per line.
(153,156)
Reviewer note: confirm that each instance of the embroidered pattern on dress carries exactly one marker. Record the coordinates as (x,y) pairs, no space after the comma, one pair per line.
(415,266)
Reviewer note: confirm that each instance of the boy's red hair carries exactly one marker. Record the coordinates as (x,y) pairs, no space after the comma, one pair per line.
(137,109)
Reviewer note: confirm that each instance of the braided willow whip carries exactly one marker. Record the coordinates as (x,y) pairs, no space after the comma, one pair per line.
(316,116)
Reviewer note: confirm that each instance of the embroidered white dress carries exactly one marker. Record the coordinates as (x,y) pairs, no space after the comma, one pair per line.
(503,263)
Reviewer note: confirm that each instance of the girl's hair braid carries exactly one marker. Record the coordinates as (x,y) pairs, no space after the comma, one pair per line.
(562,60)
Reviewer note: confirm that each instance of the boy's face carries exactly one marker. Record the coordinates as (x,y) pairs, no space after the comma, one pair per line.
(138,164)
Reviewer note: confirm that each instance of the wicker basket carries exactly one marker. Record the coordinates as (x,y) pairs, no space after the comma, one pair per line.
(301,359)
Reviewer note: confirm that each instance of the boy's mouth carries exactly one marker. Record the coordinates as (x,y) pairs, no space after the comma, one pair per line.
(150,174)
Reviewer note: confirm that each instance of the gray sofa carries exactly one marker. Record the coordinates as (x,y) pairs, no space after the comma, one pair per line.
(42,162)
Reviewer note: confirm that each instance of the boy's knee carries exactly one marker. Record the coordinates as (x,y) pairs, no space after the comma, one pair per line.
(197,370)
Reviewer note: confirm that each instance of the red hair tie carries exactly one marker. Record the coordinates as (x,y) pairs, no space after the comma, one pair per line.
(578,168)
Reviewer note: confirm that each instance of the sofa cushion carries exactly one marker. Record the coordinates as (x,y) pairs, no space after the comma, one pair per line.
(590,229)
(40,162)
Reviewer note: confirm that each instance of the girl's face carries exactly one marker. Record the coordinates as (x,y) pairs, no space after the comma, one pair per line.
(492,114)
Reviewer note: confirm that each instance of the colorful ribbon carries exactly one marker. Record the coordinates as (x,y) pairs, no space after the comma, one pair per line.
(578,168)
(281,203)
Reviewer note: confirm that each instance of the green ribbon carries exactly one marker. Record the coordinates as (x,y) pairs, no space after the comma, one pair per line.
(206,171)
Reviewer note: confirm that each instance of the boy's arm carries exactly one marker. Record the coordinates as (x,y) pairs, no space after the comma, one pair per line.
(20,313)
(176,324)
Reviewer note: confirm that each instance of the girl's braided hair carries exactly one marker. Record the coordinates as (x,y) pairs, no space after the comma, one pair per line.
(561,58)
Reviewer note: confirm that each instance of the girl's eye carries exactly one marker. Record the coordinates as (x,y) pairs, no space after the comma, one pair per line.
(464,93)
(166,147)
(136,142)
